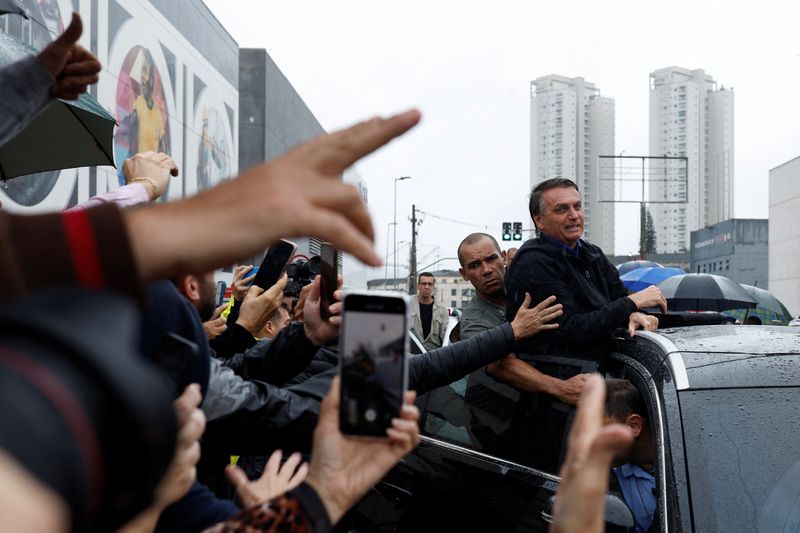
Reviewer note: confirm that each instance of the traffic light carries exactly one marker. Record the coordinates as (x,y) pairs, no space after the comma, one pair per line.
(506,231)
(517,231)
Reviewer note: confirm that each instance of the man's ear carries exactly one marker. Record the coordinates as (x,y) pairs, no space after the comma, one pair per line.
(190,287)
(636,423)
(463,275)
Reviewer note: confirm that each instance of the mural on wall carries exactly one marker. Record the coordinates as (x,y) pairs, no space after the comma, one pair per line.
(141,111)
(44,188)
(164,94)
(212,134)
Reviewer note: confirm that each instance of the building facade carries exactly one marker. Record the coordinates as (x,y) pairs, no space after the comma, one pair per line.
(784,234)
(451,289)
(571,125)
(690,117)
(275,119)
(735,248)
(170,79)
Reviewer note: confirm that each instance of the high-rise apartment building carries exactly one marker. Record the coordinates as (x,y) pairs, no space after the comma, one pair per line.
(571,125)
(690,117)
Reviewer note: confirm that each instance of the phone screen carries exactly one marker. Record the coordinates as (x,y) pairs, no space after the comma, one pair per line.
(329,277)
(373,363)
(274,264)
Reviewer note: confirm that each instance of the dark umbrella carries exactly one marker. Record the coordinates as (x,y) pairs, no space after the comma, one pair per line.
(769,307)
(11,7)
(704,292)
(641,278)
(624,268)
(66,134)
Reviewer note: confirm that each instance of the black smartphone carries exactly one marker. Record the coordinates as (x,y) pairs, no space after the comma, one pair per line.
(329,277)
(274,264)
(373,344)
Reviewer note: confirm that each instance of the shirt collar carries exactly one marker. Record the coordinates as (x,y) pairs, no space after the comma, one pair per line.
(572,251)
(634,470)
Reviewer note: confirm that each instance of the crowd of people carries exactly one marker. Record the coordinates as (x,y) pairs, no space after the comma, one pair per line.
(117,361)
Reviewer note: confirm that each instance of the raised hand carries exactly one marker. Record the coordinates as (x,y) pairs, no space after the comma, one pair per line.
(529,322)
(72,66)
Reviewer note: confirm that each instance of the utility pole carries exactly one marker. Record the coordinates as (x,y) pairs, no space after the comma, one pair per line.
(412,270)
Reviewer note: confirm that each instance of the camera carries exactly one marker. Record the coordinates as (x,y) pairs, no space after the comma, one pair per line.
(301,272)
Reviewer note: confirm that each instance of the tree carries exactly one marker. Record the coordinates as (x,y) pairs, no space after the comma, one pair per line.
(647,237)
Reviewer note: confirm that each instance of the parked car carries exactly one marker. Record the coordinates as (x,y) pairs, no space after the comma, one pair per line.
(723,404)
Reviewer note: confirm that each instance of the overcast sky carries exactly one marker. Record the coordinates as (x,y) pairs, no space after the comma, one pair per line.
(468,65)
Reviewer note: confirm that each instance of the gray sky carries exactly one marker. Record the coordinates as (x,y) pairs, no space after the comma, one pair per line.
(468,65)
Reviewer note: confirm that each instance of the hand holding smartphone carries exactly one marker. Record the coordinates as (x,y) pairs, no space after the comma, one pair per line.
(274,264)
(329,278)
(373,344)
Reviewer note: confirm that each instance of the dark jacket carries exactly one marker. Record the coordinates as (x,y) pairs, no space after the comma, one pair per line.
(275,360)
(587,285)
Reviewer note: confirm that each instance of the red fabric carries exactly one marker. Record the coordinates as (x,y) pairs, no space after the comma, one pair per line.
(83,249)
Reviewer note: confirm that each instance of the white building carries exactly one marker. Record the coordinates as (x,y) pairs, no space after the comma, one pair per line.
(572,124)
(784,234)
(690,117)
(451,289)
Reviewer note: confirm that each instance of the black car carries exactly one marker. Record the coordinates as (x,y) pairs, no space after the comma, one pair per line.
(724,406)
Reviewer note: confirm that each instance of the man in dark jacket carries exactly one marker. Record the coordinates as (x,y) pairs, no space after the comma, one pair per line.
(559,263)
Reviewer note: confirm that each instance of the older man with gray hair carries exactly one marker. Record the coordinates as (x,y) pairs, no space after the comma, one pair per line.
(559,263)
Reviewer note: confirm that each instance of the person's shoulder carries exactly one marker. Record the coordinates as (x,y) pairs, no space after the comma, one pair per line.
(472,310)
(536,255)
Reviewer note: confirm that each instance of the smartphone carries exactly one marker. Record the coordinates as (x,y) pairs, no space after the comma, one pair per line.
(373,344)
(274,264)
(329,277)
(220,293)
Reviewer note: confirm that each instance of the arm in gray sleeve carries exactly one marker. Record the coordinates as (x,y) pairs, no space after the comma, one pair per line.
(442,366)
(26,92)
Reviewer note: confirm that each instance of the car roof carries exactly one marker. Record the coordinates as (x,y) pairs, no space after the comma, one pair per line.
(724,356)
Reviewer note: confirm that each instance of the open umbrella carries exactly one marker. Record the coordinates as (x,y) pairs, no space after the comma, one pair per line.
(641,278)
(626,267)
(769,308)
(704,292)
(11,7)
(66,134)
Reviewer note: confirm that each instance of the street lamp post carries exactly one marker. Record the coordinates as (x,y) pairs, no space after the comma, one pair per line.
(394,223)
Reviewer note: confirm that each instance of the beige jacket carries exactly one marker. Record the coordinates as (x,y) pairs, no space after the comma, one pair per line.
(439,319)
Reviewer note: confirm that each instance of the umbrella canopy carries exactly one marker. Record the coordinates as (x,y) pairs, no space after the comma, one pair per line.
(641,278)
(704,292)
(66,134)
(769,308)
(624,268)
(12,7)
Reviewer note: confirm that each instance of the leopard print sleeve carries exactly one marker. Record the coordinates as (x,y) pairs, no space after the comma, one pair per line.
(298,511)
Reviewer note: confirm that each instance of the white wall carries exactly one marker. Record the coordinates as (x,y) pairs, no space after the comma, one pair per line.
(784,234)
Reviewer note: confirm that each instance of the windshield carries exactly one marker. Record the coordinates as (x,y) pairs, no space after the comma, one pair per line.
(743,454)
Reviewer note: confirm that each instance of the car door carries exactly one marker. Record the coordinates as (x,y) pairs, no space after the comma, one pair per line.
(478,465)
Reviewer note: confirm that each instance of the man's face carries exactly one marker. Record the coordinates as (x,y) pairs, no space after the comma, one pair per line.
(425,287)
(147,79)
(272,328)
(562,218)
(484,268)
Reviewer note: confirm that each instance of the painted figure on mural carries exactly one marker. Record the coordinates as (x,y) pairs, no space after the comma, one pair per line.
(141,107)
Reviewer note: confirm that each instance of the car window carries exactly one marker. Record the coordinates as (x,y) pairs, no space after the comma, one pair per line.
(483,414)
(742,458)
